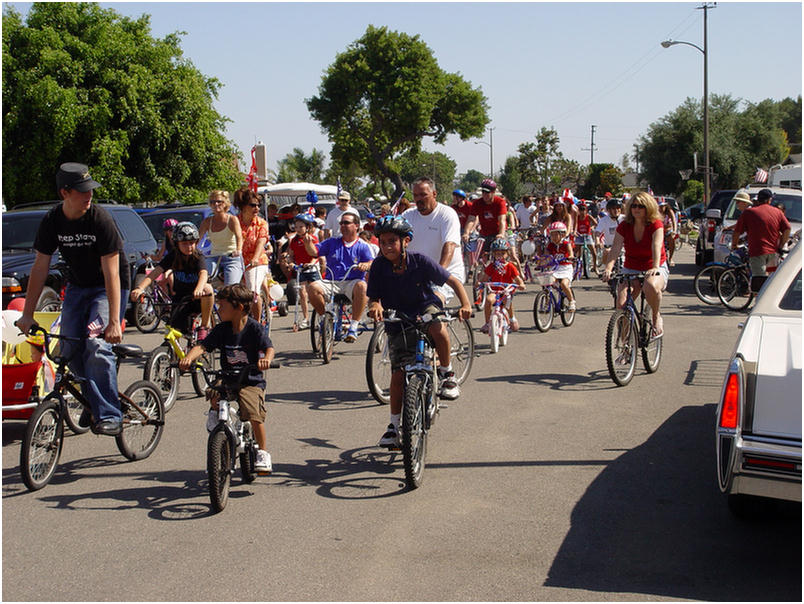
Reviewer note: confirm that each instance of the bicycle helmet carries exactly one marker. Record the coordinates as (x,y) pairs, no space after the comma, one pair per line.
(169,224)
(305,218)
(393,224)
(488,185)
(185,231)
(459,193)
(557,226)
(312,198)
(613,203)
(500,245)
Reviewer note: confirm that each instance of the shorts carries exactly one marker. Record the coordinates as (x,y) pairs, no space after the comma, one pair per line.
(402,345)
(759,264)
(581,239)
(182,310)
(309,275)
(663,271)
(445,291)
(255,276)
(251,403)
(340,287)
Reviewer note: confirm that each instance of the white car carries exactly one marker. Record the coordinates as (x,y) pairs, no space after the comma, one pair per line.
(758,421)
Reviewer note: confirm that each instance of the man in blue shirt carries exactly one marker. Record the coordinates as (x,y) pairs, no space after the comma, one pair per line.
(340,255)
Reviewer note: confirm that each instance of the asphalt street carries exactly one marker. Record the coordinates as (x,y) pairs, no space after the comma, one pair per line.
(544,481)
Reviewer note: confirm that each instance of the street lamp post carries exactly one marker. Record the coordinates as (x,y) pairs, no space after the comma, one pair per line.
(490,145)
(667,44)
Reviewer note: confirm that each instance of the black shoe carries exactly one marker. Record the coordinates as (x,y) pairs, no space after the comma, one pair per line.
(108,427)
(85,421)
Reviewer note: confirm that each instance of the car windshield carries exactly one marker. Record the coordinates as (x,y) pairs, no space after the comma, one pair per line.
(791,206)
(19,231)
(155,220)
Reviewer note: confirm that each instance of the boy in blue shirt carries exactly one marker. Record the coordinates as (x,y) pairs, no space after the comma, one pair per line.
(405,281)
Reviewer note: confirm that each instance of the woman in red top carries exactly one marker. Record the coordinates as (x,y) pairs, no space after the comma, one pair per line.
(642,234)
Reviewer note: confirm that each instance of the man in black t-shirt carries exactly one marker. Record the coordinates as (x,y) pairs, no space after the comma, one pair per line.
(88,241)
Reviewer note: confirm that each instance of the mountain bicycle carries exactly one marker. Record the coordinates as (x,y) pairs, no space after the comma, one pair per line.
(420,398)
(631,329)
(378,363)
(499,319)
(141,404)
(551,299)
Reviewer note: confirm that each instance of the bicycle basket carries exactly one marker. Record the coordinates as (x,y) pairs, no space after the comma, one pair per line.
(544,278)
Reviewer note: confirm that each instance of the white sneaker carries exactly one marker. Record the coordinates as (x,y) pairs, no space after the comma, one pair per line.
(263,464)
(212,420)
(391,438)
(304,324)
(572,305)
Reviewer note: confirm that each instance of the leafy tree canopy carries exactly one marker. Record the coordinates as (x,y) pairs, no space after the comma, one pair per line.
(82,83)
(300,167)
(437,165)
(602,178)
(544,166)
(470,181)
(510,181)
(384,94)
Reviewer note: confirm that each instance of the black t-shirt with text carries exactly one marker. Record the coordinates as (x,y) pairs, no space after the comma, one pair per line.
(82,243)
(239,349)
(185,279)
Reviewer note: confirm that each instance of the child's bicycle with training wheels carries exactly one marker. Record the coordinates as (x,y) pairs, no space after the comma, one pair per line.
(631,329)
(420,404)
(500,318)
(161,367)
(332,328)
(551,300)
(378,361)
(141,404)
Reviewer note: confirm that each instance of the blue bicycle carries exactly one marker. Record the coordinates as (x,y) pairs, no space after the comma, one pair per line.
(551,299)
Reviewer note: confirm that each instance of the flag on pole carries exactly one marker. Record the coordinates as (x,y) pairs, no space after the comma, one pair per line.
(395,207)
(251,179)
(761,175)
(338,190)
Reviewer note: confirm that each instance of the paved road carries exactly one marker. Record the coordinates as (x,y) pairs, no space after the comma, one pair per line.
(544,482)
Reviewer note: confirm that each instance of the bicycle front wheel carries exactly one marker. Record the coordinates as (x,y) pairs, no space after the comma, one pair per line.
(143,421)
(165,377)
(210,362)
(567,315)
(327,328)
(219,464)
(462,348)
(414,434)
(543,311)
(705,283)
(378,366)
(315,332)
(41,444)
(494,332)
(621,347)
(146,314)
(651,348)
(734,289)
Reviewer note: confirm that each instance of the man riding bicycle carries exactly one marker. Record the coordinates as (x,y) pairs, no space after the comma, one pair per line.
(490,212)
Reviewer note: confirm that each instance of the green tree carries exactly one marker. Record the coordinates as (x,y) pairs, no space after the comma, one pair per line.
(470,181)
(509,180)
(542,163)
(600,179)
(300,167)
(692,193)
(384,94)
(437,166)
(82,83)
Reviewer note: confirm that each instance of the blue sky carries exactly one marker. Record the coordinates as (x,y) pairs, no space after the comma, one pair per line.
(567,65)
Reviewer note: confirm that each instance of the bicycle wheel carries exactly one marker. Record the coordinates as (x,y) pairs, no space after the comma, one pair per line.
(41,444)
(327,328)
(74,411)
(462,348)
(543,311)
(651,349)
(476,272)
(586,256)
(414,435)
(567,315)
(142,427)
(210,361)
(146,314)
(504,328)
(219,464)
(165,377)
(734,289)
(315,332)
(705,283)
(621,347)
(494,332)
(248,458)
(378,366)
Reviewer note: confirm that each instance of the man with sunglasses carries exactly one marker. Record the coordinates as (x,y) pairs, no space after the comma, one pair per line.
(340,254)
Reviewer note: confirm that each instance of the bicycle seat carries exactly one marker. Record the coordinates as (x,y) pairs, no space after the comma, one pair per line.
(127,350)
(341,299)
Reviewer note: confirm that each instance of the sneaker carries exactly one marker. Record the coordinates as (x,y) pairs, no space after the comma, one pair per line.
(304,324)
(485,328)
(514,324)
(201,334)
(212,420)
(449,385)
(351,335)
(572,305)
(391,438)
(263,463)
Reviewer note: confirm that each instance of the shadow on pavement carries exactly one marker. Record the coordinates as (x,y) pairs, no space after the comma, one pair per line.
(594,380)
(654,522)
(326,400)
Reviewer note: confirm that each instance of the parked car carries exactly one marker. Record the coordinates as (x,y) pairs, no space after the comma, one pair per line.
(154,217)
(705,244)
(19,231)
(758,419)
(790,199)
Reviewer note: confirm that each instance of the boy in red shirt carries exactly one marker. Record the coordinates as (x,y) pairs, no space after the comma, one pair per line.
(500,270)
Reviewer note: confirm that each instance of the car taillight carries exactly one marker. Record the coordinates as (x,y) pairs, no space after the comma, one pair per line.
(711,226)
(730,409)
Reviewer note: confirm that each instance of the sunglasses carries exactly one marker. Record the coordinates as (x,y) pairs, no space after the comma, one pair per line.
(637,206)
(346,222)
(213,202)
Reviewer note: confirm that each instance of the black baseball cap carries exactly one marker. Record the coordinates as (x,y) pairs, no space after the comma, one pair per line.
(75,176)
(764,194)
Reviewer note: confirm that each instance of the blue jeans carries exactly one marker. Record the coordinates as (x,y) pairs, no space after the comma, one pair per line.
(230,268)
(92,358)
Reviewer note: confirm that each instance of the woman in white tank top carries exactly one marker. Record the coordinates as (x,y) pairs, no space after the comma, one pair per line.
(226,239)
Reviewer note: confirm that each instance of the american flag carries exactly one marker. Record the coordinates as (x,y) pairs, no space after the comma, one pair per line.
(761,175)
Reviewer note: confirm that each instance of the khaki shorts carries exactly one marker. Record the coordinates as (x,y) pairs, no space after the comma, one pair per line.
(760,264)
(402,345)
(250,401)
(341,287)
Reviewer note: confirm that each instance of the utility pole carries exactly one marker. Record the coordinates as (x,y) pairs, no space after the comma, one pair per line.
(591,148)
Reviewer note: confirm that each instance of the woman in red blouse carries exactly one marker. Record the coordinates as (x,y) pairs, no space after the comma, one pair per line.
(255,238)
(642,235)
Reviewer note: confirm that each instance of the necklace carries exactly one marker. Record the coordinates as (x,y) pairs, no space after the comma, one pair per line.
(401,265)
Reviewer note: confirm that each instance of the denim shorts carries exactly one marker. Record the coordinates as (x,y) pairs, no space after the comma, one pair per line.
(663,271)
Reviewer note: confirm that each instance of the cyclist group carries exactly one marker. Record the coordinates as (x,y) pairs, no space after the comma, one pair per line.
(420,268)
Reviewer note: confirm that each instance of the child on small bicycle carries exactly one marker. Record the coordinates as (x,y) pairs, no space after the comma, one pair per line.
(405,281)
(297,254)
(584,226)
(560,246)
(241,341)
(501,270)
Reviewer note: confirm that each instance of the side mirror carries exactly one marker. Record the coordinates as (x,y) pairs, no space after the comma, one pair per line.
(713,214)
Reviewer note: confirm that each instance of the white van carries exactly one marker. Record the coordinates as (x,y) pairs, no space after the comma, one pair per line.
(785,177)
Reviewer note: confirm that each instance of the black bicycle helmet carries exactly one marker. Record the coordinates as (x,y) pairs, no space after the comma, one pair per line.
(613,203)
(393,224)
(185,231)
